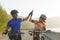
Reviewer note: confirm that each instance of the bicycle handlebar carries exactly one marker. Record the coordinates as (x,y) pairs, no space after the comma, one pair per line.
(38,31)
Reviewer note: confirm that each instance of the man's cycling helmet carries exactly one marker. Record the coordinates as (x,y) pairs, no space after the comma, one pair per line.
(14,12)
(43,16)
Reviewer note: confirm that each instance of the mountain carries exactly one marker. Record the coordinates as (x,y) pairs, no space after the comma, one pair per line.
(27,25)
(53,22)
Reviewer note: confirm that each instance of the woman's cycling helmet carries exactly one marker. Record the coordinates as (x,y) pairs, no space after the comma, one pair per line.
(43,16)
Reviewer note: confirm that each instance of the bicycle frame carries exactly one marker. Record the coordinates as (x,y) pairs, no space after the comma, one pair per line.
(12,38)
(39,33)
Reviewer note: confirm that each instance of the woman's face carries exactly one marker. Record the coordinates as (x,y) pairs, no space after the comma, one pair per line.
(41,19)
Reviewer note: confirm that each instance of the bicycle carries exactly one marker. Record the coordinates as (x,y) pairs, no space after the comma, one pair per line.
(13,36)
(40,35)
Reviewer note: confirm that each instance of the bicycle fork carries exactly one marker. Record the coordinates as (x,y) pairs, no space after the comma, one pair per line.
(41,37)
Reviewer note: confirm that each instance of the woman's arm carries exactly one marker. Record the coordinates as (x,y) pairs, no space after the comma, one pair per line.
(33,21)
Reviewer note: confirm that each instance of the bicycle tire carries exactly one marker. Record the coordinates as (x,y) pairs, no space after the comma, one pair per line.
(42,38)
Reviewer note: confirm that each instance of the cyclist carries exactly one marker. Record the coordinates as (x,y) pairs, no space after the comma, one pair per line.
(39,26)
(15,24)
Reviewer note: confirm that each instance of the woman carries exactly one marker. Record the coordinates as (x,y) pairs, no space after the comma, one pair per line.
(39,25)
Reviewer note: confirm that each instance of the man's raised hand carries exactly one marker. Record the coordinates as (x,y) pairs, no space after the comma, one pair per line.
(31,13)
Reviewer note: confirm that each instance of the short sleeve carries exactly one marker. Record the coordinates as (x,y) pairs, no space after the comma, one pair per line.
(8,24)
(21,19)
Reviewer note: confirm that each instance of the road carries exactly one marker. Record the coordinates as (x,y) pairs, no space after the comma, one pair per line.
(26,36)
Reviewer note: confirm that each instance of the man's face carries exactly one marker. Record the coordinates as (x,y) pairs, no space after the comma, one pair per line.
(14,15)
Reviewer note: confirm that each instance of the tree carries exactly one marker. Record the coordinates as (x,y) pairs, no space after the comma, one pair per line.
(3,18)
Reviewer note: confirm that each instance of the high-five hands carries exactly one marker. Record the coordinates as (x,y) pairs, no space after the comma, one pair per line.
(30,15)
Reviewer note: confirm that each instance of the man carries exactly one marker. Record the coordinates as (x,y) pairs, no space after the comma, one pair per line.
(15,24)
(39,26)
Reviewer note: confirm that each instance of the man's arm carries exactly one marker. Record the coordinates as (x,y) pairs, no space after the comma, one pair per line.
(7,27)
(33,21)
(6,31)
(28,16)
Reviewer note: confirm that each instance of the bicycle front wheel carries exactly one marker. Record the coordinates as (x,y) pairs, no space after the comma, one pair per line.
(42,38)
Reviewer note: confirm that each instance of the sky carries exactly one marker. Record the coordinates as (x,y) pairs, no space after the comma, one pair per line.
(51,8)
